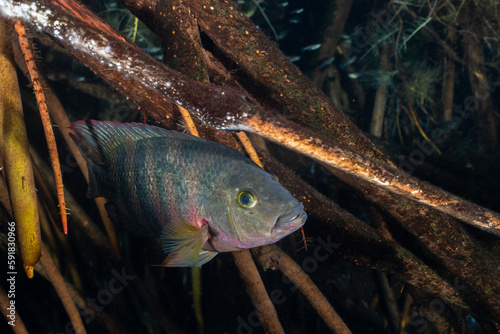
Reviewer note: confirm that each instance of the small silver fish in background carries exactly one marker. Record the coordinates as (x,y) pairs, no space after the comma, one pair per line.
(297,11)
(354,75)
(294,58)
(199,197)
(348,62)
(311,47)
(326,62)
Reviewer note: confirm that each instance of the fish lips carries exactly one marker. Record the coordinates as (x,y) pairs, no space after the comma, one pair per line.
(289,221)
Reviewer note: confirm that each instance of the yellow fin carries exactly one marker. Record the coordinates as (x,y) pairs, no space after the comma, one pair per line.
(183,243)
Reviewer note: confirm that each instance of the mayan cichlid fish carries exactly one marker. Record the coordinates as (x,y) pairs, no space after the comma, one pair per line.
(199,197)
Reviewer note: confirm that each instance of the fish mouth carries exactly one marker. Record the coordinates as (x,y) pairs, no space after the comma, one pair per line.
(290,221)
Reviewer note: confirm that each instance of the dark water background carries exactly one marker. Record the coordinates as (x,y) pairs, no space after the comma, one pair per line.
(467,166)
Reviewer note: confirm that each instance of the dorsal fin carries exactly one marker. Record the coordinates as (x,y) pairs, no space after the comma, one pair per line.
(97,138)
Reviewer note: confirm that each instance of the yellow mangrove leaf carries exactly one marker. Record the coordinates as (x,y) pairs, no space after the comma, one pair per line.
(16,158)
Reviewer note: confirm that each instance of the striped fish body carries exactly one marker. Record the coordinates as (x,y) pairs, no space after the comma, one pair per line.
(155,178)
(184,189)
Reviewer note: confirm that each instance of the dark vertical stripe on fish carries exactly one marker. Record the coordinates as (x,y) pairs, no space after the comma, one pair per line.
(114,183)
(158,155)
(129,204)
(142,170)
(153,172)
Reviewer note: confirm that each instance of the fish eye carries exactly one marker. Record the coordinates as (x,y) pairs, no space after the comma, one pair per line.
(247,199)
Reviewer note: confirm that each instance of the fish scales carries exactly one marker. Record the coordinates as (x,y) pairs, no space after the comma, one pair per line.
(127,175)
(198,163)
(142,174)
(154,188)
(184,180)
(135,176)
(130,206)
(125,202)
(164,182)
(109,183)
(198,196)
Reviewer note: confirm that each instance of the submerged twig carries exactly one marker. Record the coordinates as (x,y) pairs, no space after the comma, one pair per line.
(113,326)
(389,300)
(57,112)
(257,292)
(62,290)
(271,257)
(331,37)
(88,308)
(242,136)
(51,230)
(29,57)
(379,105)
(189,122)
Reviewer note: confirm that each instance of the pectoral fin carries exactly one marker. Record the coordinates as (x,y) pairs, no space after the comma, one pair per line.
(183,243)
(177,260)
